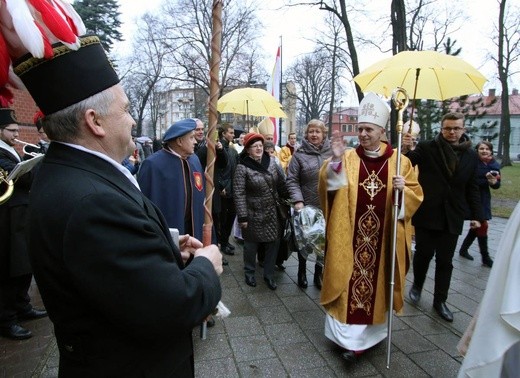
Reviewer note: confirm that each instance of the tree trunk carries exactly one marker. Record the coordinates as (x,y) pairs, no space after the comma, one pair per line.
(505,123)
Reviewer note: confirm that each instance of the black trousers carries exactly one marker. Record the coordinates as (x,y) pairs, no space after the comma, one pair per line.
(427,244)
(227,218)
(14,299)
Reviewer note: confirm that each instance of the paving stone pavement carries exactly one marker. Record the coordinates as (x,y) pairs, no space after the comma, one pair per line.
(280,333)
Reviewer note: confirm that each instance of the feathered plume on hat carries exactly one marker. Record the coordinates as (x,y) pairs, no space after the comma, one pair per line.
(32,26)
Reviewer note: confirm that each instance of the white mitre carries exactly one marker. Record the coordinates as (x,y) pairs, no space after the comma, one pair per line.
(372,109)
(414,129)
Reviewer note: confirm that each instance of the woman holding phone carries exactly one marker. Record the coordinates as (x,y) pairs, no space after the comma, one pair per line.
(488,176)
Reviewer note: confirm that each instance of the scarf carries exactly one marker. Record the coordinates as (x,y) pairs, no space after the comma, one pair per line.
(450,153)
(486,159)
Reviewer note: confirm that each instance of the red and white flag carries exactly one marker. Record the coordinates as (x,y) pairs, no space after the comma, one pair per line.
(273,87)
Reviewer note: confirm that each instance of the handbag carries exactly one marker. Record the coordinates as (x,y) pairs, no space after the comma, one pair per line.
(283,207)
(288,234)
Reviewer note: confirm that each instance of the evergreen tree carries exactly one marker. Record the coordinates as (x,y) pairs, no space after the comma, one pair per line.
(101,17)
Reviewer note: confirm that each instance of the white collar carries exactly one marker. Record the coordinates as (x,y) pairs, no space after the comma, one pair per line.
(116,164)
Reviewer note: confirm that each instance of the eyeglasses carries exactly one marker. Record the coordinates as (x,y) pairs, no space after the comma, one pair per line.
(12,130)
(257,146)
(454,129)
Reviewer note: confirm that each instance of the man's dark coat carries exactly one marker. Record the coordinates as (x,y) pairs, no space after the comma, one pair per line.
(109,275)
(447,200)
(14,258)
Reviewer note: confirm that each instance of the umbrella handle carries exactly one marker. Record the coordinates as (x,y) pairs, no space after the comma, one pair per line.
(400,99)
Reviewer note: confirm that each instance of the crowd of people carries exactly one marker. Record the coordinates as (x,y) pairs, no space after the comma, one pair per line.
(124,296)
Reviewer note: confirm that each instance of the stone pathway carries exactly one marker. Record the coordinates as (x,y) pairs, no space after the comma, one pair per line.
(280,333)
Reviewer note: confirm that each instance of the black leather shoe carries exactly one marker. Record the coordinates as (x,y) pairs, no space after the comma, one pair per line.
(317,281)
(486,261)
(251,281)
(280,267)
(443,311)
(32,314)
(415,295)
(270,283)
(225,262)
(466,255)
(228,251)
(349,356)
(231,247)
(302,281)
(15,332)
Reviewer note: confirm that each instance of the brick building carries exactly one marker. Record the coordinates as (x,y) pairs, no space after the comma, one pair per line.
(25,108)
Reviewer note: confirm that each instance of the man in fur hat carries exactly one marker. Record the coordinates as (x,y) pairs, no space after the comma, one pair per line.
(356,193)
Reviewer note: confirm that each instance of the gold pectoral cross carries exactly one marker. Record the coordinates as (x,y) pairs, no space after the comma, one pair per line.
(372,185)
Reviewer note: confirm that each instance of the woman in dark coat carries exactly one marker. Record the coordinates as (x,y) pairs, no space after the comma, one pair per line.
(302,182)
(258,186)
(488,176)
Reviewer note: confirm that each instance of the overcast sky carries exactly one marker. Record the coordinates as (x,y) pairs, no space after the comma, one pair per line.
(298,23)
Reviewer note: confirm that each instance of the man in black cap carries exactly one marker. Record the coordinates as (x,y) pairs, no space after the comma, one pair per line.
(122,301)
(15,267)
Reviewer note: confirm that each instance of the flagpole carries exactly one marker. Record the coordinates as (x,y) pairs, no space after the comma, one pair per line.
(280,97)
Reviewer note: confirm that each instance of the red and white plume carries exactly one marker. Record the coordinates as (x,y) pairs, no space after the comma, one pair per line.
(33,26)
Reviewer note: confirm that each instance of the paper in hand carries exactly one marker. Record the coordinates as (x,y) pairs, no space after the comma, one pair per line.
(23,167)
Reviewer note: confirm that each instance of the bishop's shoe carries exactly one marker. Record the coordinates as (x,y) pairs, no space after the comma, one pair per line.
(443,311)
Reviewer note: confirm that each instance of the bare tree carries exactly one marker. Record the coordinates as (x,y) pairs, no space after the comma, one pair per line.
(188,26)
(341,10)
(430,24)
(312,76)
(508,43)
(145,69)
(329,42)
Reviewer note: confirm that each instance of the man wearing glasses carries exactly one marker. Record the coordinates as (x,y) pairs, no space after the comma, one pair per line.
(447,168)
(15,267)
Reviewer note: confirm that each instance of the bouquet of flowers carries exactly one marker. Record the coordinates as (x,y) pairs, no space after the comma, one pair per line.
(309,233)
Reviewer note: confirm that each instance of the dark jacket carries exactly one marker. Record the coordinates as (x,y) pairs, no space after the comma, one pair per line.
(221,163)
(303,172)
(229,172)
(14,258)
(132,168)
(256,191)
(448,200)
(109,275)
(483,184)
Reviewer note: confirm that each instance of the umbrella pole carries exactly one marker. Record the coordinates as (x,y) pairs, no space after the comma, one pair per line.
(400,105)
(417,72)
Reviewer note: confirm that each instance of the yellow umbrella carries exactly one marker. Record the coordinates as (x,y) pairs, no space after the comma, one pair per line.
(250,101)
(426,74)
